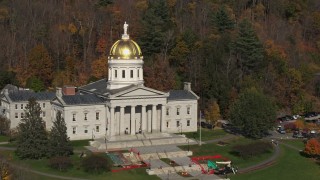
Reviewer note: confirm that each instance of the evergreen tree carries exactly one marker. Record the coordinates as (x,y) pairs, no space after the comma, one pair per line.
(253,114)
(222,21)
(59,142)
(156,22)
(248,49)
(32,137)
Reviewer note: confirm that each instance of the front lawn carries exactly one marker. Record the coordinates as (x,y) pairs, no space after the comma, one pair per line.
(4,138)
(290,165)
(206,134)
(80,143)
(298,143)
(226,151)
(76,170)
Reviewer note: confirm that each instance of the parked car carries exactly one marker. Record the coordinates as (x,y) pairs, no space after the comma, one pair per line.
(310,114)
(203,124)
(297,134)
(210,126)
(281,131)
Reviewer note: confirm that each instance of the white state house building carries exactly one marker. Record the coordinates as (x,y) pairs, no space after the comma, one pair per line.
(118,106)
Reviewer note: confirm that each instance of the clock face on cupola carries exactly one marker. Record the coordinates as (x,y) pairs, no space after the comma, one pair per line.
(125,63)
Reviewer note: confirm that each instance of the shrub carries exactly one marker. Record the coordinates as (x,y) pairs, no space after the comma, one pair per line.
(252,149)
(60,163)
(96,164)
(312,148)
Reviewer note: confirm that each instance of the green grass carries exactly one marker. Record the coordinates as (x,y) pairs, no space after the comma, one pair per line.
(226,151)
(4,138)
(76,170)
(79,143)
(298,143)
(206,134)
(290,165)
(10,144)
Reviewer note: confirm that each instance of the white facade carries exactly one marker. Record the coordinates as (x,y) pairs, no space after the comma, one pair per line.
(83,122)
(14,110)
(120,105)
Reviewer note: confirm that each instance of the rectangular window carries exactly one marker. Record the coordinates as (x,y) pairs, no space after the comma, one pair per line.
(188,110)
(97,115)
(178,111)
(86,131)
(74,130)
(97,128)
(131,73)
(73,117)
(188,122)
(167,112)
(44,114)
(167,124)
(138,72)
(178,123)
(115,73)
(21,106)
(16,106)
(123,74)
(16,115)
(43,105)
(85,116)
(21,115)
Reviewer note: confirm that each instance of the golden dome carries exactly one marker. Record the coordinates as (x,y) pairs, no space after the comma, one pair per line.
(125,49)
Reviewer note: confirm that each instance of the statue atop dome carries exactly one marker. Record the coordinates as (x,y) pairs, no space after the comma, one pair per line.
(125,29)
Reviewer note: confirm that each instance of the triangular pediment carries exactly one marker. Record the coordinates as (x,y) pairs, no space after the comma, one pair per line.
(140,92)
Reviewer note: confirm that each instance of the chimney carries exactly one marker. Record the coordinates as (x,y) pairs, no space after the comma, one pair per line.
(58,92)
(6,92)
(187,86)
(69,90)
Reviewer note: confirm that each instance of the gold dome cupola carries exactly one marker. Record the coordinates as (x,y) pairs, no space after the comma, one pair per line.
(125,48)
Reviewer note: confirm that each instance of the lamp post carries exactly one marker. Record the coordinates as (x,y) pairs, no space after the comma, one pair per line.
(92,134)
(188,145)
(105,139)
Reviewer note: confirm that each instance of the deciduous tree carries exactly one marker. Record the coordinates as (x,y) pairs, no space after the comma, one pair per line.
(253,113)
(213,113)
(312,148)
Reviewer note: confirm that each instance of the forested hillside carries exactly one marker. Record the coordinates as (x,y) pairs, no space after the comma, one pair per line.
(221,46)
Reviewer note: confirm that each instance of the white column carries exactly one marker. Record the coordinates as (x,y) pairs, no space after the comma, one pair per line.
(132,118)
(141,74)
(154,117)
(143,118)
(163,122)
(121,122)
(149,120)
(111,121)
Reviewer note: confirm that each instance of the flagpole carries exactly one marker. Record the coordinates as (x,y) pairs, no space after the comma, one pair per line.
(200,143)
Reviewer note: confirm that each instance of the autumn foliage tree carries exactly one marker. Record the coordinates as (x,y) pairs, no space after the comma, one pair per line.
(40,64)
(312,148)
(213,113)
(159,75)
